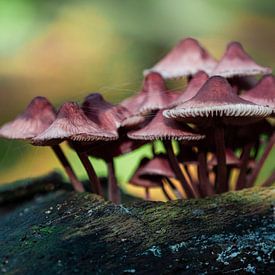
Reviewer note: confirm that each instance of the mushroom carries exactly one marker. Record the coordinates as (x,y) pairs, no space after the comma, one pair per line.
(108,117)
(73,125)
(159,166)
(262,94)
(152,177)
(236,62)
(166,130)
(185,59)
(36,118)
(231,159)
(192,88)
(215,105)
(154,95)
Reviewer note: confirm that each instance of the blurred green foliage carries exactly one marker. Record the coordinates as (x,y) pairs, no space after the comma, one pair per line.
(66,49)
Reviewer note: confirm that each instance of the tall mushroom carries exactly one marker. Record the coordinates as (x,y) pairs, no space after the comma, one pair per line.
(236,62)
(36,118)
(262,94)
(73,125)
(166,130)
(213,106)
(108,117)
(185,59)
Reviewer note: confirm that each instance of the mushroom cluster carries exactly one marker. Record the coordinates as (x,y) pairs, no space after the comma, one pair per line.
(220,124)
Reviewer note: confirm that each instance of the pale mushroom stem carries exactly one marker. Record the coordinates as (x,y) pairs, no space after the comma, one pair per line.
(113,190)
(222,184)
(270,180)
(77,185)
(147,194)
(206,188)
(176,168)
(95,184)
(241,182)
(251,180)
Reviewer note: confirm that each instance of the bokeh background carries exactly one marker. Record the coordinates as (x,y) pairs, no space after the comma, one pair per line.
(65,49)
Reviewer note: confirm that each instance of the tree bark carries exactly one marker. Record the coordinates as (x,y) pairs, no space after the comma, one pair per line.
(68,232)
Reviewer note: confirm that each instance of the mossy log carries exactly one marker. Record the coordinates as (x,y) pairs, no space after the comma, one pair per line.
(63,232)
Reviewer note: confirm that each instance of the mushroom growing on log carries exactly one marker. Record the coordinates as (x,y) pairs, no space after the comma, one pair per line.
(37,117)
(214,106)
(185,59)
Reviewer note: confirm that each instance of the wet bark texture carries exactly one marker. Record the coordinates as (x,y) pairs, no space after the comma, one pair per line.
(63,232)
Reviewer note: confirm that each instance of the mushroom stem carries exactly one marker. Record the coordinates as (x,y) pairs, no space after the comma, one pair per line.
(222,184)
(113,190)
(251,180)
(77,185)
(165,192)
(95,184)
(241,182)
(176,168)
(174,188)
(205,186)
(147,193)
(270,180)
(194,185)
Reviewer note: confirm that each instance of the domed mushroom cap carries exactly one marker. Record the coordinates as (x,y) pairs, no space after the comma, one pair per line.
(158,166)
(263,93)
(164,129)
(103,113)
(216,99)
(186,58)
(150,182)
(192,88)
(153,96)
(236,62)
(71,123)
(230,157)
(37,117)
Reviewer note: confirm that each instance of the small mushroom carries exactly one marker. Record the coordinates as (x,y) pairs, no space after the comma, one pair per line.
(154,95)
(148,175)
(36,118)
(213,106)
(236,62)
(192,88)
(73,125)
(263,93)
(185,59)
(168,129)
(231,159)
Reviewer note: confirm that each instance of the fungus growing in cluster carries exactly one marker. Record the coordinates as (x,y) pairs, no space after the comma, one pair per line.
(37,117)
(263,93)
(161,128)
(192,88)
(222,116)
(108,117)
(73,125)
(152,173)
(230,157)
(153,96)
(213,106)
(236,62)
(185,59)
